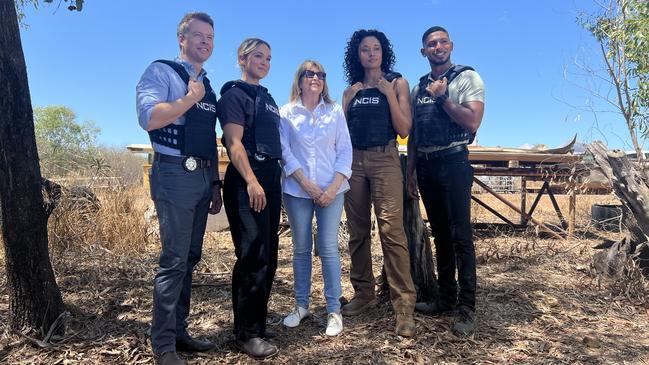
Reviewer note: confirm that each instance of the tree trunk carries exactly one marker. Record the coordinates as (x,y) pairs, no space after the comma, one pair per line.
(422,267)
(35,299)
(630,186)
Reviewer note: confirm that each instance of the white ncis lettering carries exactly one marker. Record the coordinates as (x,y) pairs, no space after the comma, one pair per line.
(425,100)
(272,109)
(206,106)
(366,100)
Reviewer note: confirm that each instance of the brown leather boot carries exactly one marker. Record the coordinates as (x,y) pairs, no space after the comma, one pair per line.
(169,358)
(358,305)
(405,325)
(257,348)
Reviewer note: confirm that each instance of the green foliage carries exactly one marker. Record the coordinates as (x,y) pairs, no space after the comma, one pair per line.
(65,146)
(78,4)
(20,5)
(622,29)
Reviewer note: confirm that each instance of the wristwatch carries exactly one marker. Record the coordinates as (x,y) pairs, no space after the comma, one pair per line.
(441,99)
(217,182)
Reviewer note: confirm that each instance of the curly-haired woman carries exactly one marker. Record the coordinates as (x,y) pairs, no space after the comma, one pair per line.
(377,108)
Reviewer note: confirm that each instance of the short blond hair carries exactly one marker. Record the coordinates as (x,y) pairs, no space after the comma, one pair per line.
(247,46)
(296,92)
(183,26)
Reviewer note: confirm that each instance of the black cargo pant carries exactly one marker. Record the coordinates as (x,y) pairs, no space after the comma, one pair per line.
(445,187)
(255,242)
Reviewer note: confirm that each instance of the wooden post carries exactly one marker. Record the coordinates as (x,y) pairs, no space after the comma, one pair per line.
(512,206)
(523,200)
(572,206)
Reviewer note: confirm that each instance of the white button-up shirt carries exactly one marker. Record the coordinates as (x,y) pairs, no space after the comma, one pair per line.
(318,142)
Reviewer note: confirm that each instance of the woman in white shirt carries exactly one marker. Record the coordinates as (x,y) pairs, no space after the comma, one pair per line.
(317,158)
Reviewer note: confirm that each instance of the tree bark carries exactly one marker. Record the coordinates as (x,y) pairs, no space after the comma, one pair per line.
(422,267)
(35,299)
(631,186)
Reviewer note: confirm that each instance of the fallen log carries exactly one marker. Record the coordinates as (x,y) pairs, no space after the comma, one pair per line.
(80,199)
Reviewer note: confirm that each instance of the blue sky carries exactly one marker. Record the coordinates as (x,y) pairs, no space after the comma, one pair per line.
(524,50)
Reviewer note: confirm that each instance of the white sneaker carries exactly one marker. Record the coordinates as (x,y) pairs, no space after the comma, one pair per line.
(334,324)
(293,319)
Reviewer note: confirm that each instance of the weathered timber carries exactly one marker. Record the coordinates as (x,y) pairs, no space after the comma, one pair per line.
(422,267)
(630,185)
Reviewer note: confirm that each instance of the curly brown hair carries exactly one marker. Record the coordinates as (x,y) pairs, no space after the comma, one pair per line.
(352,67)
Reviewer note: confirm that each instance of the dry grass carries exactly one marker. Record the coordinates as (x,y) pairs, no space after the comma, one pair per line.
(114,221)
(538,302)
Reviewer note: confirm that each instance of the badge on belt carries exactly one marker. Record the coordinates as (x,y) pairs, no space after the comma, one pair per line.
(190,164)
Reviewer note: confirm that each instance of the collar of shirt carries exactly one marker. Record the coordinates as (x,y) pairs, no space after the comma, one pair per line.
(430,74)
(190,69)
(321,105)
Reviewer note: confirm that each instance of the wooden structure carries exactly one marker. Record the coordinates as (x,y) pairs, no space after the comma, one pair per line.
(545,167)
(528,165)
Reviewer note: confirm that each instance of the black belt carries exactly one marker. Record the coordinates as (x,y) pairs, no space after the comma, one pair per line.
(442,153)
(390,144)
(259,157)
(189,163)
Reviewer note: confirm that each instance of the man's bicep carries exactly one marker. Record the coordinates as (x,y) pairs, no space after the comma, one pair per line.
(151,90)
(153,86)
(471,87)
(477,107)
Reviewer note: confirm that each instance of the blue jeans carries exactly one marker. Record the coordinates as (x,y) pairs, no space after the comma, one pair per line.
(300,215)
(181,200)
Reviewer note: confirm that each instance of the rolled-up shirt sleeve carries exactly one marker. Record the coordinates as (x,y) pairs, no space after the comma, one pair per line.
(151,90)
(289,162)
(343,163)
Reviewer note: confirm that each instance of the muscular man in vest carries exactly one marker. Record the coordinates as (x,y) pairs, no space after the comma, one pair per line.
(448,104)
(177,106)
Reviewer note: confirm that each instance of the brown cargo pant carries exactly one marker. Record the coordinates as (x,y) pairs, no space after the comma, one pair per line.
(377,178)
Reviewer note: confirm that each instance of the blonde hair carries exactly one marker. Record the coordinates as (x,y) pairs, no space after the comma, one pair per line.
(296,92)
(246,48)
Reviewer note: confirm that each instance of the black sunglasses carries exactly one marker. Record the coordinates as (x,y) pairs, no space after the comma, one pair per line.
(310,74)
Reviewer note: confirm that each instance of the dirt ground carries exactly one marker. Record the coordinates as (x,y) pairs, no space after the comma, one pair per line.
(538,301)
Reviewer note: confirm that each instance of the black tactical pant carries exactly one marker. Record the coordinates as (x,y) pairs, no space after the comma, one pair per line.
(255,242)
(445,188)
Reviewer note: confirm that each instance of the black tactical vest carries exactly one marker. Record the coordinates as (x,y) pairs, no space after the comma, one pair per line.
(369,119)
(198,136)
(261,134)
(433,126)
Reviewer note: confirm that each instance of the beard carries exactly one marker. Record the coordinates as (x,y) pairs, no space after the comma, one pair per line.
(435,62)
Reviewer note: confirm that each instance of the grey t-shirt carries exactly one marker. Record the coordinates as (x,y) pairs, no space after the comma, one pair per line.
(466,87)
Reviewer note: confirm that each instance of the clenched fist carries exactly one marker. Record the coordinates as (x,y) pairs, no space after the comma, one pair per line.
(195,90)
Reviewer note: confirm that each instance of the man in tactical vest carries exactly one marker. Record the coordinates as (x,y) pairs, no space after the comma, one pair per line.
(177,106)
(448,104)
